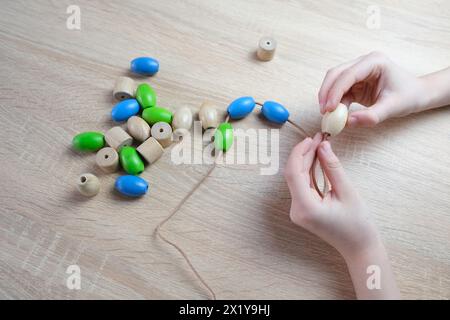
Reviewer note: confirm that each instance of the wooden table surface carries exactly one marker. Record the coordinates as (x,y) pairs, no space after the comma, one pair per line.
(56,82)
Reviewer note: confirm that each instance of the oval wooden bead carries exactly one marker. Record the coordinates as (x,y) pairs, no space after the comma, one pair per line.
(241,107)
(182,119)
(116,138)
(138,128)
(266,48)
(146,96)
(157,114)
(125,88)
(223,137)
(88,185)
(130,160)
(275,112)
(144,65)
(88,141)
(334,122)
(107,159)
(151,150)
(131,186)
(208,115)
(162,132)
(125,109)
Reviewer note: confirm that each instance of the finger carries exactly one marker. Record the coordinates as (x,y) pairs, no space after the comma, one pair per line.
(311,154)
(368,117)
(330,78)
(330,163)
(354,74)
(297,175)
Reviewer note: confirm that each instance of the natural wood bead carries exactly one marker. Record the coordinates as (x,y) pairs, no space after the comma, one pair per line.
(334,122)
(266,48)
(151,150)
(116,138)
(182,119)
(125,88)
(162,131)
(138,128)
(107,159)
(88,185)
(208,115)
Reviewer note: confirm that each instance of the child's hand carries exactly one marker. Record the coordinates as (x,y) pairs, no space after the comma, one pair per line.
(376,82)
(341,218)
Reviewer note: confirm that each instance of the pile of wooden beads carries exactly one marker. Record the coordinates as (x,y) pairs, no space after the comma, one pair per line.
(153,130)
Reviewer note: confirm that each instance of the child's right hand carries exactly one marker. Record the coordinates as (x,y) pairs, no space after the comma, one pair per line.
(376,82)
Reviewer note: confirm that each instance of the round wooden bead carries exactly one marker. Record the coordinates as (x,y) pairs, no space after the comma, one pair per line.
(88,141)
(130,160)
(266,48)
(275,112)
(125,88)
(124,110)
(107,159)
(88,185)
(138,128)
(223,137)
(162,132)
(157,114)
(116,138)
(182,119)
(151,150)
(208,115)
(334,122)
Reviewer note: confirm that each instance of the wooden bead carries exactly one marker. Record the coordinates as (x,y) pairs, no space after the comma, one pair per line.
(182,119)
(116,138)
(138,128)
(151,150)
(88,185)
(266,48)
(125,88)
(107,159)
(208,115)
(162,131)
(334,122)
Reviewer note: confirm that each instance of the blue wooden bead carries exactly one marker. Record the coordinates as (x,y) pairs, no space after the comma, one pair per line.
(145,65)
(241,107)
(131,186)
(125,109)
(275,112)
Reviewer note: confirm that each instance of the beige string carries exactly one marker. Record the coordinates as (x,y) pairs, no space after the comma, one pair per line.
(200,182)
(176,209)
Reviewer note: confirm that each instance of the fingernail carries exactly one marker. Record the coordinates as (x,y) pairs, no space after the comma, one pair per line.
(352,121)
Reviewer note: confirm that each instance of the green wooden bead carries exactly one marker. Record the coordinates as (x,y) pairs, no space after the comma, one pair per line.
(223,138)
(146,96)
(88,141)
(130,160)
(157,114)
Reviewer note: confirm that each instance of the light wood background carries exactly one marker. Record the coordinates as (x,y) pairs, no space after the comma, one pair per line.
(57,82)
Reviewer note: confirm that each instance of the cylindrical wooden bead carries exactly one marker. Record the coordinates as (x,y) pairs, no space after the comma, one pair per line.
(138,128)
(116,138)
(182,119)
(162,131)
(266,48)
(125,88)
(208,115)
(88,185)
(151,150)
(107,159)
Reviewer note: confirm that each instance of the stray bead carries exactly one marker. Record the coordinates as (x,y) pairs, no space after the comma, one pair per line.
(266,48)
(125,109)
(88,185)
(107,159)
(125,88)
(144,65)
(88,141)
(131,186)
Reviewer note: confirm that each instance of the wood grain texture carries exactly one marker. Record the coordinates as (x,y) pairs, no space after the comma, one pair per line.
(56,82)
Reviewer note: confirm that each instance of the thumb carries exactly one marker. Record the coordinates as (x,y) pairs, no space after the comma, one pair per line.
(334,171)
(368,117)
